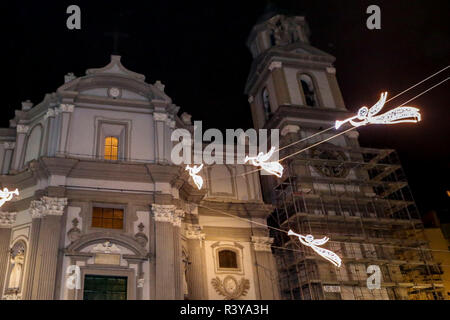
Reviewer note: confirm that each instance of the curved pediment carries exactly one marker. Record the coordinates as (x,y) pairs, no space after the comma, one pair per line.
(114,81)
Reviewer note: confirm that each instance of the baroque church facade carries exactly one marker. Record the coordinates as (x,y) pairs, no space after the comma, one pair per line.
(103,213)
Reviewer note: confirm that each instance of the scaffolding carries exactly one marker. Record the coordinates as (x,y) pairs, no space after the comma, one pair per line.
(364,205)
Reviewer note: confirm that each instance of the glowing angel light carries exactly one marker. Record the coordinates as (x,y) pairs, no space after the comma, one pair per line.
(7,195)
(397,115)
(309,241)
(193,172)
(273,167)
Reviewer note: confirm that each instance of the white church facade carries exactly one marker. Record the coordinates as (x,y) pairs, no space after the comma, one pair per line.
(103,213)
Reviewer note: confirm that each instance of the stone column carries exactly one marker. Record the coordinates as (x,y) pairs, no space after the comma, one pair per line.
(22,131)
(280,84)
(45,234)
(65,110)
(169,281)
(6,221)
(267,275)
(196,269)
(7,157)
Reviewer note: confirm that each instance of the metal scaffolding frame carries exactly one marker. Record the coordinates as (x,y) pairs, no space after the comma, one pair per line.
(370,217)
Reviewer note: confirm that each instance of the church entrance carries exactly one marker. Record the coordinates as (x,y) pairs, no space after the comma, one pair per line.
(104,288)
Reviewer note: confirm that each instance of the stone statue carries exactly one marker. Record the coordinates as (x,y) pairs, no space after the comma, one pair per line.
(17,262)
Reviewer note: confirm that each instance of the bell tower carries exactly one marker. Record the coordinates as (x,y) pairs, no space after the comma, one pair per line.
(336,189)
(289,78)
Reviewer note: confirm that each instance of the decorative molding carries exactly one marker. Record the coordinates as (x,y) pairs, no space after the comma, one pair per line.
(177,217)
(47,206)
(50,113)
(331,70)
(7,219)
(262,243)
(172,124)
(290,128)
(168,213)
(106,247)
(159,85)
(251,99)
(163,213)
(194,232)
(230,287)
(160,116)
(352,134)
(140,283)
(12,296)
(66,107)
(275,65)
(74,233)
(9,145)
(140,237)
(22,128)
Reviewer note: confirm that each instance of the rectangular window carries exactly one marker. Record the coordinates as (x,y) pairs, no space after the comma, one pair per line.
(104,288)
(108,218)
(111,148)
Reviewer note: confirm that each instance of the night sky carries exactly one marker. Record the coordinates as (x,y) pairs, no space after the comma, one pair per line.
(197,49)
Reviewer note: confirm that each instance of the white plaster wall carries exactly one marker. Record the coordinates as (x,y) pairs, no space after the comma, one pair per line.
(247,270)
(82,134)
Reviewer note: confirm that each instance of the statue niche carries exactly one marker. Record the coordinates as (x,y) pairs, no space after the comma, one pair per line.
(17,263)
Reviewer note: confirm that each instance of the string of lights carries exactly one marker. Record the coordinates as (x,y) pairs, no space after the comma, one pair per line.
(286,231)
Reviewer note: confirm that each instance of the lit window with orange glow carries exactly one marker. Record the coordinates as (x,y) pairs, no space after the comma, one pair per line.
(111,148)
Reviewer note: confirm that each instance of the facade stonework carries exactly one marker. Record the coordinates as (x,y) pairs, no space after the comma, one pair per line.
(90,210)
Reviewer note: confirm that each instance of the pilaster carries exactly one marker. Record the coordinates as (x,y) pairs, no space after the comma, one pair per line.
(7,219)
(265,267)
(196,269)
(22,131)
(44,243)
(169,280)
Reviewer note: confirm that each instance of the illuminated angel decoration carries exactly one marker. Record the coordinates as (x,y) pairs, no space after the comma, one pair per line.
(193,172)
(369,116)
(7,195)
(273,167)
(309,241)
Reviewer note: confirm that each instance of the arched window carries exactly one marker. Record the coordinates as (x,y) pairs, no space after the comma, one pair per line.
(111,148)
(266,103)
(308,90)
(228,259)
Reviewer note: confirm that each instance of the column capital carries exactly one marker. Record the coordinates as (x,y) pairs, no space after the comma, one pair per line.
(290,128)
(177,217)
(65,107)
(352,134)
(7,219)
(194,232)
(275,65)
(159,116)
(47,206)
(168,213)
(262,243)
(22,128)
(9,145)
(50,113)
(331,70)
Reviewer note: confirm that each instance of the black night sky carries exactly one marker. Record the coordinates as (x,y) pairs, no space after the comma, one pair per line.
(197,49)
